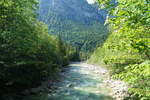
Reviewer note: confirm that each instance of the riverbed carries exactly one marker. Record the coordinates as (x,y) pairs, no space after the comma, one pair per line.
(79,81)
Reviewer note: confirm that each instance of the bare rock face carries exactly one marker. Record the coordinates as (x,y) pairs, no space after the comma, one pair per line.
(75,10)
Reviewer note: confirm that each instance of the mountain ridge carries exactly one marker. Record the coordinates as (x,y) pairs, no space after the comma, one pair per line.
(79,23)
(77,10)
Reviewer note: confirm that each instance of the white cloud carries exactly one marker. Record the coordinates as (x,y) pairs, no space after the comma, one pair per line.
(90,1)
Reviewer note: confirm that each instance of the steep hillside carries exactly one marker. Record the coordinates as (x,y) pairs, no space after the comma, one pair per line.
(74,10)
(79,23)
(126,52)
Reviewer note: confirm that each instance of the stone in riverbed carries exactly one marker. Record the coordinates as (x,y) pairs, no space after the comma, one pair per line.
(67,93)
(50,91)
(69,85)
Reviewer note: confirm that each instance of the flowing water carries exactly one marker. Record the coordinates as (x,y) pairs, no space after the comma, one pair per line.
(78,82)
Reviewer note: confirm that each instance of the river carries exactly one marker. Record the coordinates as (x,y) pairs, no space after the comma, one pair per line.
(79,81)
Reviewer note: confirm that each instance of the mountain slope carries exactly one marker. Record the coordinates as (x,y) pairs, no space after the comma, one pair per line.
(75,10)
(79,23)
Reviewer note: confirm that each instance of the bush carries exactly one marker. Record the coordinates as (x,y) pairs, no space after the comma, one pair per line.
(127,48)
(138,76)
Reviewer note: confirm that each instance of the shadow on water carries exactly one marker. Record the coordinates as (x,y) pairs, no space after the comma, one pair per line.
(77,83)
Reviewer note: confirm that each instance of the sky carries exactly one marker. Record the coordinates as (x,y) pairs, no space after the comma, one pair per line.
(90,1)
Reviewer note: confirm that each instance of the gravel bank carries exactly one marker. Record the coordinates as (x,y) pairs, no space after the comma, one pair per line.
(119,88)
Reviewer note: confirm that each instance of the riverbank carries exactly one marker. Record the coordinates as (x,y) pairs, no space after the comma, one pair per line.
(82,81)
(118,87)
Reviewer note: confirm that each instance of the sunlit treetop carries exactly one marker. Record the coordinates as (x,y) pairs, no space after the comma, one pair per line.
(128,12)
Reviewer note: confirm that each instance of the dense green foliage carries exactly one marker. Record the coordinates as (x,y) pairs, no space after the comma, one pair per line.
(127,49)
(84,37)
(80,27)
(28,54)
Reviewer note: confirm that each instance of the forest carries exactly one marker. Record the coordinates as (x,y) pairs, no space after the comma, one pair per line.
(126,52)
(30,53)
(78,23)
